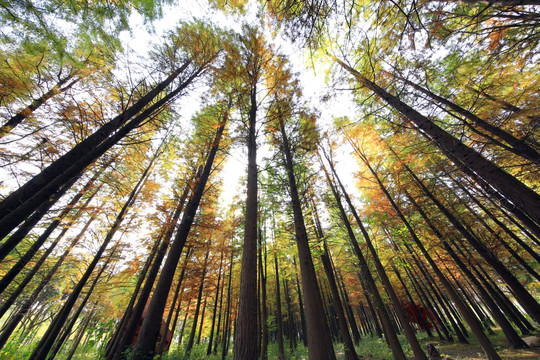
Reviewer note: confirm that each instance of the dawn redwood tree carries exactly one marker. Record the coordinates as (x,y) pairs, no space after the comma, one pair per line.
(366,277)
(144,347)
(46,343)
(401,314)
(253,56)
(463,156)
(516,146)
(196,49)
(126,330)
(350,353)
(465,311)
(283,114)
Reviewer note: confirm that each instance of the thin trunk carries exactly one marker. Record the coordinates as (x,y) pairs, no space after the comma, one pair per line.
(279,316)
(128,334)
(191,340)
(47,341)
(145,346)
(264,308)
(508,186)
(10,243)
(389,333)
(214,311)
(402,316)
(224,345)
(58,88)
(522,295)
(474,324)
(10,325)
(80,334)
(23,261)
(162,343)
(300,305)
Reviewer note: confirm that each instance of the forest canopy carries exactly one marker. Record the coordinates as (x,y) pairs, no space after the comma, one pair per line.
(292,179)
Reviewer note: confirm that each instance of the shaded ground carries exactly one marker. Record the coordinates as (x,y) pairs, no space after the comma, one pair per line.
(474,351)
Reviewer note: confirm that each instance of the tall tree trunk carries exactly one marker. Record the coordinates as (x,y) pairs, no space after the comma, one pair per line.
(279,316)
(245,339)
(145,346)
(22,202)
(319,340)
(179,287)
(46,342)
(191,340)
(21,263)
(517,146)
(118,351)
(300,305)
(389,333)
(522,295)
(264,309)
(402,316)
(507,185)
(214,311)
(513,338)
(225,340)
(23,310)
(8,245)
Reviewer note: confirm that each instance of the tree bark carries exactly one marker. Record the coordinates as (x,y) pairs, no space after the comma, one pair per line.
(46,342)
(319,340)
(22,202)
(245,339)
(464,157)
(145,346)
(191,339)
(517,146)
(522,295)
(403,318)
(279,316)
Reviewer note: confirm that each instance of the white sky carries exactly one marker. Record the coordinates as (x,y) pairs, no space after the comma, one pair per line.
(312,80)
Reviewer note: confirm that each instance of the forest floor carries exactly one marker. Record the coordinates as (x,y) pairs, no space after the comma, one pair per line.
(473,351)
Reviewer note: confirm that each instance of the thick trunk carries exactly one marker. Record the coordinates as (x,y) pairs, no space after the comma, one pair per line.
(245,335)
(319,340)
(145,346)
(508,186)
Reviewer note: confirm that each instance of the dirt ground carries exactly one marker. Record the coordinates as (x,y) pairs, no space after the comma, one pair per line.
(474,351)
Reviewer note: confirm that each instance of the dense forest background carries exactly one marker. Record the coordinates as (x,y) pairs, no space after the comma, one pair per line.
(272,179)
